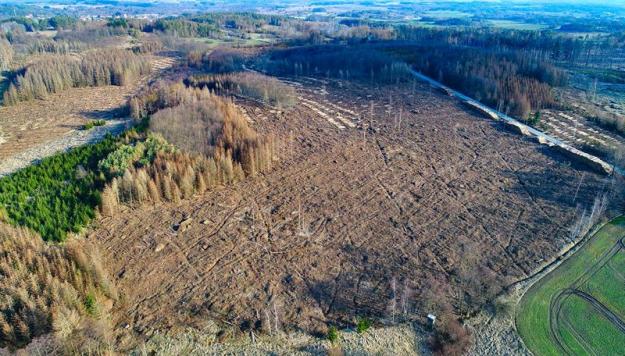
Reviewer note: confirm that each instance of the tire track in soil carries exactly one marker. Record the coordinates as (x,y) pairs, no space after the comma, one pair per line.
(559,300)
(522,184)
(576,335)
(345,205)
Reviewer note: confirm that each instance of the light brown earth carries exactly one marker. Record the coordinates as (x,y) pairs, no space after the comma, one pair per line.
(30,124)
(345,215)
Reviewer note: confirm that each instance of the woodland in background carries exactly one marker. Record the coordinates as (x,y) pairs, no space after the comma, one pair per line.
(509,81)
(57,73)
(594,51)
(268,90)
(219,60)
(343,62)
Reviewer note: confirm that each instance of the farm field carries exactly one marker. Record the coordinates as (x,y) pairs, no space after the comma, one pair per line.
(578,308)
(359,199)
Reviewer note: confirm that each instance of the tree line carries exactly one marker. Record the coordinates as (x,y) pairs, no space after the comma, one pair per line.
(252,85)
(51,23)
(57,73)
(509,81)
(212,24)
(336,61)
(47,45)
(602,50)
(215,146)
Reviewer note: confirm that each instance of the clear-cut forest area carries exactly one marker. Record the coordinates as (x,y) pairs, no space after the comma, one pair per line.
(311,177)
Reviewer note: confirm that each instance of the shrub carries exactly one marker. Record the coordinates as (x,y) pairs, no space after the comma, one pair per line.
(333,334)
(119,160)
(154,145)
(92,124)
(90,304)
(534,120)
(450,338)
(362,325)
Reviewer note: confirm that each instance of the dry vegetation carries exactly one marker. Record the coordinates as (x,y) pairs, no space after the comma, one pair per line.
(252,85)
(390,223)
(450,337)
(31,124)
(218,147)
(391,202)
(57,73)
(6,54)
(52,289)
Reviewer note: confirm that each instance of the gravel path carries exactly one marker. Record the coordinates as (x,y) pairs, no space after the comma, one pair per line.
(73,139)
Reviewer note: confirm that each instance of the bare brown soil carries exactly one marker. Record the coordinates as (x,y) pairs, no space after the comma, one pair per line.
(574,126)
(347,214)
(30,124)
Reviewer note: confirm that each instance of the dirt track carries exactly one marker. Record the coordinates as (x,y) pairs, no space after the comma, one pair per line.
(347,214)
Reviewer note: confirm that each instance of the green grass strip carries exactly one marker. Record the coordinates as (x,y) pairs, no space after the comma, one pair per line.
(532,318)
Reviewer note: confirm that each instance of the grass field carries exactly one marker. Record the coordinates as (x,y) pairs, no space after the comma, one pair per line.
(447,14)
(516,25)
(579,308)
(255,39)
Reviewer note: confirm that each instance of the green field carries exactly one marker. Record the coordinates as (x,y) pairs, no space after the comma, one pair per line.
(516,25)
(447,14)
(579,308)
(255,39)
